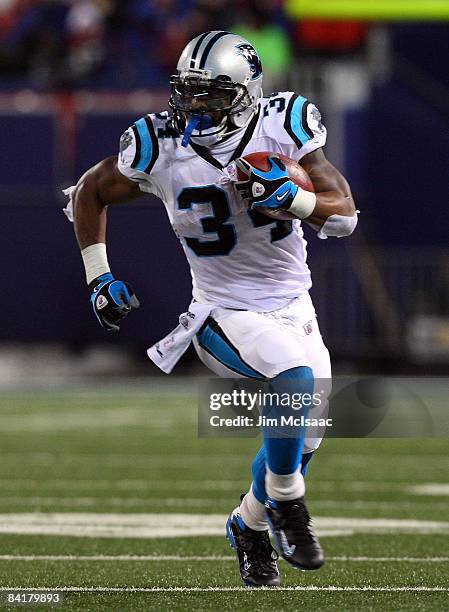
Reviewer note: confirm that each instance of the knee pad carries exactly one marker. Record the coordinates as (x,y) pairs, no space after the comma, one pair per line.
(278,352)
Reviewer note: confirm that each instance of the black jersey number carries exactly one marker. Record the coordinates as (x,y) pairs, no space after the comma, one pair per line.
(226,233)
(277,103)
(227,236)
(282,229)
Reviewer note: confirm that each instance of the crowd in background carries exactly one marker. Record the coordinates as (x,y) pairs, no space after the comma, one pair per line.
(373,83)
(49,44)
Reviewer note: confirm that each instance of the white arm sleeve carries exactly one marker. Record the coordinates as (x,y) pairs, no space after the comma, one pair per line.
(338,225)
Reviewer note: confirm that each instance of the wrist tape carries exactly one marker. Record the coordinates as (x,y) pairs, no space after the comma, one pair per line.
(95,261)
(303,204)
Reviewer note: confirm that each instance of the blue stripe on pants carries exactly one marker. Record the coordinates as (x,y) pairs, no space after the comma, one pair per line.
(224,352)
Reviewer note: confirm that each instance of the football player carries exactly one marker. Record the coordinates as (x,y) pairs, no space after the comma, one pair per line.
(251,314)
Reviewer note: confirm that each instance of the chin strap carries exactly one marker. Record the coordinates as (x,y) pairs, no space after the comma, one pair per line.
(196,122)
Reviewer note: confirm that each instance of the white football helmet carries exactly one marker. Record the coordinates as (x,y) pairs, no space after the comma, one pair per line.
(217,86)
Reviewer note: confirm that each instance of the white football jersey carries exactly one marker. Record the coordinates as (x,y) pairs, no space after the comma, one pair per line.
(238,258)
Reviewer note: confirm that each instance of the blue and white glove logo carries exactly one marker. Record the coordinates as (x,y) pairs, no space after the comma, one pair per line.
(281,198)
(258,189)
(272,188)
(101,302)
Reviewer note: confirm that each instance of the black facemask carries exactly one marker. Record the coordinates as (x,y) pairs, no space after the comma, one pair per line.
(201,104)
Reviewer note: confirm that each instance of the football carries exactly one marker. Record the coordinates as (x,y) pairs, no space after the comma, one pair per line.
(296,172)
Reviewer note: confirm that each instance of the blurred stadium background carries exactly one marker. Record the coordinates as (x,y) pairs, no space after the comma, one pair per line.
(75,74)
(75,435)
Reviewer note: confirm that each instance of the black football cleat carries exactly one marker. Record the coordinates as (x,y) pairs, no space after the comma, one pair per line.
(291,526)
(257,558)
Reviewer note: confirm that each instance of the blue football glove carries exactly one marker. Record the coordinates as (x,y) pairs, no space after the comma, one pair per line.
(111,300)
(271,189)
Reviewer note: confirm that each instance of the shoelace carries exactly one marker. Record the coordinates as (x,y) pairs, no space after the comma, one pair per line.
(299,524)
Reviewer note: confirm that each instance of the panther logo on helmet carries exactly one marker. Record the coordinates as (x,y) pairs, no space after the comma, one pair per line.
(250,54)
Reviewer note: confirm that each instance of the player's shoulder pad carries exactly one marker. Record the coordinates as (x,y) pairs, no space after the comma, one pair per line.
(139,147)
(143,144)
(303,123)
(295,120)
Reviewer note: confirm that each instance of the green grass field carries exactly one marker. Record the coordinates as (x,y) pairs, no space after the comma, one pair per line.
(106,492)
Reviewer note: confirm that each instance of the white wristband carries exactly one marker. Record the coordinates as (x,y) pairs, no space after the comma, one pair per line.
(95,261)
(303,204)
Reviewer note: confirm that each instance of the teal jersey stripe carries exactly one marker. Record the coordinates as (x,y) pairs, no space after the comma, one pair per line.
(296,120)
(146,150)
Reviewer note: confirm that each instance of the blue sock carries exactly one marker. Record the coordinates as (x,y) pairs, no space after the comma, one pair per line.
(287,452)
(259,470)
(283,453)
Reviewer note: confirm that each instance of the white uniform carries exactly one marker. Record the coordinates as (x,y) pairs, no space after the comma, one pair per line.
(252,269)
(238,259)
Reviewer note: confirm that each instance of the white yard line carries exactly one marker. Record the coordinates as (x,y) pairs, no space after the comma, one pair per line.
(208,558)
(430,488)
(99,589)
(170,525)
